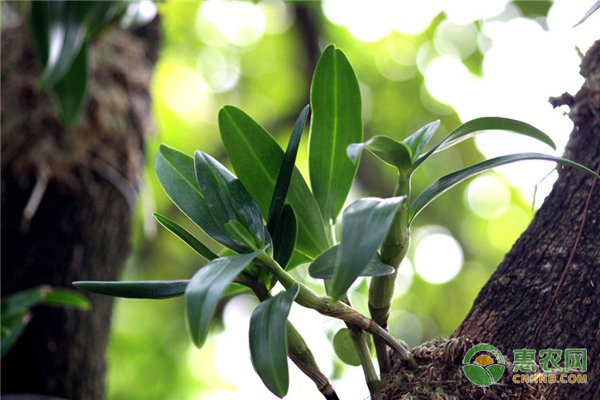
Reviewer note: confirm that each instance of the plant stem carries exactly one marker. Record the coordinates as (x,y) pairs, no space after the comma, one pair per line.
(301,355)
(364,354)
(323,304)
(393,250)
(357,336)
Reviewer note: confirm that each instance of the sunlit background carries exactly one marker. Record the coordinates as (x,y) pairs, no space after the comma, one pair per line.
(417,61)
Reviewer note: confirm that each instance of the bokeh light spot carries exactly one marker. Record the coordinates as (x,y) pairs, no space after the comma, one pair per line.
(487,196)
(182,89)
(220,68)
(438,258)
(239,22)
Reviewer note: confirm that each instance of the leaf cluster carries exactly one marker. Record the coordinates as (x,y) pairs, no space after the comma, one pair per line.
(16,309)
(61,32)
(274,221)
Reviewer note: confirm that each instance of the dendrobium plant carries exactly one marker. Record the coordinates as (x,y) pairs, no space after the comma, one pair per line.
(274,222)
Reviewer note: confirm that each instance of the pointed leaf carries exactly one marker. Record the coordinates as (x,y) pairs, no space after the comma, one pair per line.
(146,289)
(66,29)
(418,140)
(323,267)
(364,225)
(100,15)
(206,288)
(478,125)
(228,199)
(268,340)
(187,237)
(257,159)
(284,238)
(297,259)
(39,21)
(58,30)
(176,174)
(66,298)
(19,303)
(71,90)
(12,333)
(441,185)
(336,123)
(135,289)
(385,148)
(241,234)
(589,12)
(285,173)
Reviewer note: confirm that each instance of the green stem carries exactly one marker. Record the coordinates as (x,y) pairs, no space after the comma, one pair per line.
(393,251)
(357,336)
(301,355)
(323,304)
(364,354)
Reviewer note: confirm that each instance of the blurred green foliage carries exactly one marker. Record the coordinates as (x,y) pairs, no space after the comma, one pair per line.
(263,70)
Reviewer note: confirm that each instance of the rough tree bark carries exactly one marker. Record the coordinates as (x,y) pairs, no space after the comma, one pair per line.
(539,297)
(85,179)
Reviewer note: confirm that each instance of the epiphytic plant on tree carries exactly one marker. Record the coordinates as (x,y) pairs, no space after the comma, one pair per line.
(269,216)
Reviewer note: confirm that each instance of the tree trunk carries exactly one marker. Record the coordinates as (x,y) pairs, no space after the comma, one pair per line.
(545,294)
(85,180)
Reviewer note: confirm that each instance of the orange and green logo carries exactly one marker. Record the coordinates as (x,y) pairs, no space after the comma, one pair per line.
(483,364)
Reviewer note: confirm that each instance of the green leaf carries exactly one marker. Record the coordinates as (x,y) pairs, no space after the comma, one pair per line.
(176,174)
(284,237)
(15,309)
(364,225)
(344,348)
(66,297)
(257,159)
(58,31)
(395,153)
(592,10)
(19,303)
(268,340)
(241,234)
(284,178)
(206,288)
(471,128)
(146,289)
(12,333)
(228,200)
(65,33)
(297,259)
(71,90)
(39,19)
(323,267)
(135,289)
(187,237)
(418,140)
(100,15)
(336,123)
(441,185)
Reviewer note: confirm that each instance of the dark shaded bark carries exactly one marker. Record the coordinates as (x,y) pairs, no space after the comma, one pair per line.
(527,303)
(86,179)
